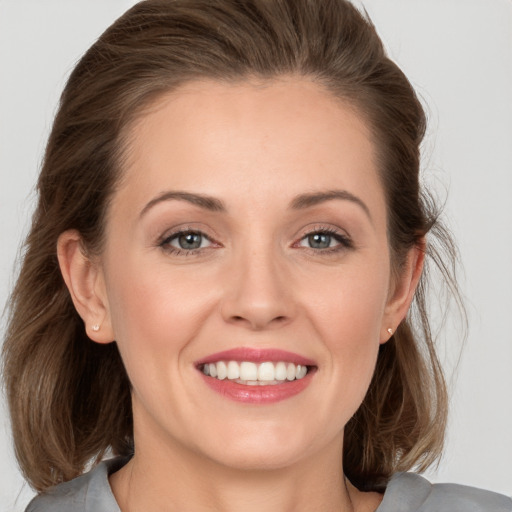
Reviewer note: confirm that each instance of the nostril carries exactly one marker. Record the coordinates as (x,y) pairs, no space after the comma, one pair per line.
(278,319)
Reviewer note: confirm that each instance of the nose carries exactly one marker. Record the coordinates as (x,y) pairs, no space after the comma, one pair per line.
(257,292)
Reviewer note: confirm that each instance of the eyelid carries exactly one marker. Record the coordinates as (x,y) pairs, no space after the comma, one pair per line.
(185,227)
(175,234)
(164,241)
(343,238)
(176,237)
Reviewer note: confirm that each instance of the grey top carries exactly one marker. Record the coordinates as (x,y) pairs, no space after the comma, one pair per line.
(406,492)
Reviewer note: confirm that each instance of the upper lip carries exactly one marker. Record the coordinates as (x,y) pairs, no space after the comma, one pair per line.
(256,355)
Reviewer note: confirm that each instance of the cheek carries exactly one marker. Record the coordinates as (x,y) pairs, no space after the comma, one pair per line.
(351,303)
(348,316)
(155,313)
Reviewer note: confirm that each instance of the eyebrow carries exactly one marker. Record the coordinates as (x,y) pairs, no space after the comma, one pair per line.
(300,202)
(312,199)
(207,202)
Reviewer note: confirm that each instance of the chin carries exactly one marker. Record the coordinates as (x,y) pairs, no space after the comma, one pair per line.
(258,459)
(258,449)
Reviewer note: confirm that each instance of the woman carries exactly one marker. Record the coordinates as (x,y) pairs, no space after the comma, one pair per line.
(230,192)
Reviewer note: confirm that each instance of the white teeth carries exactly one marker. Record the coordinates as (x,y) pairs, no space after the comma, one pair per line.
(280,371)
(290,371)
(252,374)
(233,370)
(248,371)
(300,371)
(222,370)
(266,371)
(257,382)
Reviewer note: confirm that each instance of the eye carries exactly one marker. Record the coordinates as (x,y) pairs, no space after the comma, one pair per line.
(318,241)
(325,239)
(186,241)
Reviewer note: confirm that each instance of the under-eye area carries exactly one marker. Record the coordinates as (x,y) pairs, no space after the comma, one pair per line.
(256,374)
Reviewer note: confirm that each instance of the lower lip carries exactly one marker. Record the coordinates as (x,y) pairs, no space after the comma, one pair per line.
(258,394)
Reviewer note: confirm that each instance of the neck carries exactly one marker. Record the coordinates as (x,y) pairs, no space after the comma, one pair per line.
(179,479)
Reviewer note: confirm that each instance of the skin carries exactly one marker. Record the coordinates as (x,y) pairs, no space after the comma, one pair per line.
(256,282)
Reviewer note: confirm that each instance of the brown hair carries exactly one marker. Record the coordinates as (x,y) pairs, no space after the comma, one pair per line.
(69,398)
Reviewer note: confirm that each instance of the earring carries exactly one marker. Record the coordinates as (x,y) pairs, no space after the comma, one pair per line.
(95,327)
(390,330)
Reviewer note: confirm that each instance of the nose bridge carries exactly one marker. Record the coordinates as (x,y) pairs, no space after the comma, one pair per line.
(257,293)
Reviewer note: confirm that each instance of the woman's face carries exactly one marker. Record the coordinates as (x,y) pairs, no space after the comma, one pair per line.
(251,220)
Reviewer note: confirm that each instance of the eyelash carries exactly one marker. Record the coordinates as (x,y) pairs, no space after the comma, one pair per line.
(165,243)
(344,242)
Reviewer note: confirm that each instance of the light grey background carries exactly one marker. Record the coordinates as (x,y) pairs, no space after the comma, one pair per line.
(458,54)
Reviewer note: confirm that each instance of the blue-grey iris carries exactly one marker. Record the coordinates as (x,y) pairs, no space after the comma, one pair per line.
(190,240)
(319,241)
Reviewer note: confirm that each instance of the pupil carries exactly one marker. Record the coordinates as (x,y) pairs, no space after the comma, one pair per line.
(190,241)
(319,241)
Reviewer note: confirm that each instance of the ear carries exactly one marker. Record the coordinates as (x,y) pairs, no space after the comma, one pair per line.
(402,291)
(86,285)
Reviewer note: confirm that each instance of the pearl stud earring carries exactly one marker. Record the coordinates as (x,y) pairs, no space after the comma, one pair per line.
(95,327)
(390,330)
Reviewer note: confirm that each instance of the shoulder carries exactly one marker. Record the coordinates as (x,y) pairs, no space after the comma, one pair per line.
(89,492)
(408,492)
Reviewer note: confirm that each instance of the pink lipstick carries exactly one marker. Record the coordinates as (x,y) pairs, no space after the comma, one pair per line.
(256,376)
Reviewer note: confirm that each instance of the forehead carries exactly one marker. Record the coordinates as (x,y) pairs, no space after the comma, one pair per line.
(219,139)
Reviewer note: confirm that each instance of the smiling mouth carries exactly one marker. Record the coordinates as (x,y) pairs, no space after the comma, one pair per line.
(256,374)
